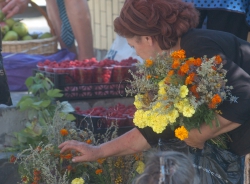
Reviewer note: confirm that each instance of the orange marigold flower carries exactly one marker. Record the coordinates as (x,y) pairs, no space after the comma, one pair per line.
(176,64)
(216,99)
(64,132)
(98,171)
(218,59)
(69,167)
(180,54)
(171,72)
(89,141)
(101,160)
(180,73)
(67,156)
(36,172)
(181,133)
(190,61)
(190,78)
(197,62)
(193,90)
(12,159)
(149,77)
(25,179)
(149,63)
(184,68)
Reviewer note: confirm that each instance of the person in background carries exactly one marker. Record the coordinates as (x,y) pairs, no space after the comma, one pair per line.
(231,16)
(167,167)
(71,21)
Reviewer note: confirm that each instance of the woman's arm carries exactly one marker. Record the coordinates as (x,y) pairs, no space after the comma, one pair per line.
(197,138)
(80,21)
(129,143)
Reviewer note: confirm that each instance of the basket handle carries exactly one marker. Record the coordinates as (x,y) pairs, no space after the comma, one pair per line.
(33,4)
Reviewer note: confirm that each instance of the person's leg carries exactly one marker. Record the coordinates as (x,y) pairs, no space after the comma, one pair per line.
(53,15)
(79,18)
(227,21)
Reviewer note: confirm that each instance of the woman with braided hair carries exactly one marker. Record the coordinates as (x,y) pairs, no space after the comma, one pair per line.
(167,167)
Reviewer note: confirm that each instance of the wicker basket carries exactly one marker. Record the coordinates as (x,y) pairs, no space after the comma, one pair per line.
(37,46)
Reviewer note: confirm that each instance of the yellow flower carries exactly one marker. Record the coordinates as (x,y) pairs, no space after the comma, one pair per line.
(161,83)
(138,119)
(180,104)
(173,115)
(118,180)
(188,111)
(138,101)
(183,91)
(140,167)
(157,106)
(162,91)
(181,133)
(77,181)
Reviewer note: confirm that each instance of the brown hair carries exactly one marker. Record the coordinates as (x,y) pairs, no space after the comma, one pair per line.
(164,20)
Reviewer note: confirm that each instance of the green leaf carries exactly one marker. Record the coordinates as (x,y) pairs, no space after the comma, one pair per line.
(54,93)
(36,87)
(42,104)
(26,104)
(46,85)
(70,117)
(32,113)
(29,82)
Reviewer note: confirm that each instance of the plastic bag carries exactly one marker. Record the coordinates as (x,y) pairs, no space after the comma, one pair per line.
(121,50)
(4,89)
(213,165)
(20,66)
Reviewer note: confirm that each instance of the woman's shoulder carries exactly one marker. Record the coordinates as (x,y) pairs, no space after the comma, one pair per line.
(199,42)
(206,33)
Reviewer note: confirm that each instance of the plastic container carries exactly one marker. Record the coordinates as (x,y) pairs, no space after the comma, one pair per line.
(69,78)
(84,75)
(48,69)
(40,67)
(120,73)
(102,74)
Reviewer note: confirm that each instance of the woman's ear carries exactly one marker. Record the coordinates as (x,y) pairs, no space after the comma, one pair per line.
(148,40)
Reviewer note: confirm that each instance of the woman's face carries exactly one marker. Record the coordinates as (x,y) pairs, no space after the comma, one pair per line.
(144,46)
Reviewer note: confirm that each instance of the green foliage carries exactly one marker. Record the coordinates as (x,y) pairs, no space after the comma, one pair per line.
(40,106)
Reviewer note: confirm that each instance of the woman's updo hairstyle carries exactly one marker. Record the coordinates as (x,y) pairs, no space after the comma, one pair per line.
(164,20)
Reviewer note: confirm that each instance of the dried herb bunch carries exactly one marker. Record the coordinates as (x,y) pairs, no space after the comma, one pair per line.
(44,164)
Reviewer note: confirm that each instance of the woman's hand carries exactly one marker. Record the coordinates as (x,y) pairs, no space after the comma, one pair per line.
(197,138)
(12,7)
(129,143)
(85,151)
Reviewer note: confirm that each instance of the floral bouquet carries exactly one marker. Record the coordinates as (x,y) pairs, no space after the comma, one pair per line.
(179,92)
